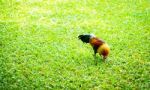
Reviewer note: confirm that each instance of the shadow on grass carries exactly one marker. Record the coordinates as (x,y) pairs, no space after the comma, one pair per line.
(89,60)
(100,61)
(97,61)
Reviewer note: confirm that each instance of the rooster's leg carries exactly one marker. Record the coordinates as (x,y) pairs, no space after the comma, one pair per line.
(95,51)
(95,58)
(104,58)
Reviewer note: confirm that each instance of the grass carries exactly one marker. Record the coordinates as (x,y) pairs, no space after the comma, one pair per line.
(39,48)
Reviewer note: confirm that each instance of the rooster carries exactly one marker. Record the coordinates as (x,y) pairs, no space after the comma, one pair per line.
(99,45)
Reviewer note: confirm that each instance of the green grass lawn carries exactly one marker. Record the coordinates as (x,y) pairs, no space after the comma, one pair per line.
(39,48)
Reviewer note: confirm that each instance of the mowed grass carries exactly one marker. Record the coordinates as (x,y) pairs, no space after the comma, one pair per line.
(39,48)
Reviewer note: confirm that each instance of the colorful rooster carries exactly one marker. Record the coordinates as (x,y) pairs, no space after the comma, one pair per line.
(99,46)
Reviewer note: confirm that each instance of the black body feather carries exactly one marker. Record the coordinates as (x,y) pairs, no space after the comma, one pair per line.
(84,38)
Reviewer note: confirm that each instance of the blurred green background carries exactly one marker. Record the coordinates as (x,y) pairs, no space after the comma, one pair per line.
(39,48)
